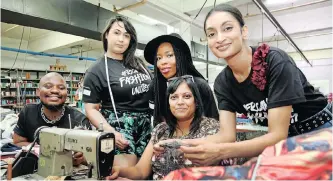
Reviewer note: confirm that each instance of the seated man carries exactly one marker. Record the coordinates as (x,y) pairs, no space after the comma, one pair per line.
(51,112)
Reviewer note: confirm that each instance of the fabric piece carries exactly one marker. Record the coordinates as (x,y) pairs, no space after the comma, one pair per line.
(30,119)
(242,136)
(172,160)
(8,132)
(129,87)
(135,127)
(286,85)
(304,157)
(7,125)
(4,112)
(9,147)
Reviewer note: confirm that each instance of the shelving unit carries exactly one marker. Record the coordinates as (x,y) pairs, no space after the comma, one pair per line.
(19,88)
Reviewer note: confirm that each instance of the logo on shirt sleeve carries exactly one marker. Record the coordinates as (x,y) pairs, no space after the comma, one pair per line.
(151,105)
(86,91)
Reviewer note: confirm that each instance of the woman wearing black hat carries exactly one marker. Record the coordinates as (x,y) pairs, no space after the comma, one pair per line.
(171,57)
(120,83)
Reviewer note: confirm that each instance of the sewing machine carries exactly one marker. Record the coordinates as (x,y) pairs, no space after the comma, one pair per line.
(57,146)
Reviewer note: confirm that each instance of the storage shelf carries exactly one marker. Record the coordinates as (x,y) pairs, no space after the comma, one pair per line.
(8,105)
(30,79)
(15,78)
(19,87)
(29,96)
(8,87)
(30,70)
(72,79)
(7,96)
(28,87)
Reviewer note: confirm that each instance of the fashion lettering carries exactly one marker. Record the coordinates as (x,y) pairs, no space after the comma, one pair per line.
(262,106)
(134,79)
(294,117)
(257,111)
(140,89)
(129,72)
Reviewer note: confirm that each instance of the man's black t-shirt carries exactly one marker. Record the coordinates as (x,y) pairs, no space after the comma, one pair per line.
(30,119)
(206,94)
(286,85)
(129,87)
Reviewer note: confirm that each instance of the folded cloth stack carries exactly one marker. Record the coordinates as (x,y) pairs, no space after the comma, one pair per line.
(7,125)
(9,147)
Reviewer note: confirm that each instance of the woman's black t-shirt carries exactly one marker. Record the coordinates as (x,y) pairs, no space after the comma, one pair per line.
(129,86)
(286,85)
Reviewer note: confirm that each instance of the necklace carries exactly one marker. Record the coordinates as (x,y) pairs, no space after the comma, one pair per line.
(52,121)
(182,133)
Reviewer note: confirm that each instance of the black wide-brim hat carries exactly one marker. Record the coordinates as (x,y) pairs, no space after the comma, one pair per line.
(174,38)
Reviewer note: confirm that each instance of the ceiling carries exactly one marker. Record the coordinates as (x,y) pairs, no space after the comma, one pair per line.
(168,12)
(15,31)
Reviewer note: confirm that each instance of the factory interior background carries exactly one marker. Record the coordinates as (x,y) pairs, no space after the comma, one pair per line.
(56,28)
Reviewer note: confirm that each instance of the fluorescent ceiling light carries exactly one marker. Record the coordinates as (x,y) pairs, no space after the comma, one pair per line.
(275,2)
(197,63)
(151,20)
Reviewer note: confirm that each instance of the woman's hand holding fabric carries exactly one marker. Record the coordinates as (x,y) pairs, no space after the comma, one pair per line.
(202,153)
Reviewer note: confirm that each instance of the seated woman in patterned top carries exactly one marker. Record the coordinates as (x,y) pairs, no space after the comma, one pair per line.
(185,121)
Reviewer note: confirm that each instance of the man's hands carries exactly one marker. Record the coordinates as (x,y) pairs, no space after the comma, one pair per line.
(78,158)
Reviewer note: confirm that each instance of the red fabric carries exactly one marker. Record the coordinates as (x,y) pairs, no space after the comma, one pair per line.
(304,157)
(259,67)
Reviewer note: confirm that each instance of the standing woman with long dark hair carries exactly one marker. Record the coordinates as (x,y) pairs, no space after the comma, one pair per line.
(261,82)
(171,58)
(120,83)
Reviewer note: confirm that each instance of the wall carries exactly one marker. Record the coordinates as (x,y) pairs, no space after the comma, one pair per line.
(320,18)
(320,75)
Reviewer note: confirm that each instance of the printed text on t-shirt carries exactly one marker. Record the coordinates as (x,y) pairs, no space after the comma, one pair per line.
(257,111)
(134,77)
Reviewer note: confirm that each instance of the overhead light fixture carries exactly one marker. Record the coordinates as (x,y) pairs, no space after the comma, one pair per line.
(199,64)
(276,2)
(150,20)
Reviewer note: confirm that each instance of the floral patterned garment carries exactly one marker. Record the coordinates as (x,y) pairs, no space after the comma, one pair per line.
(172,159)
(304,157)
